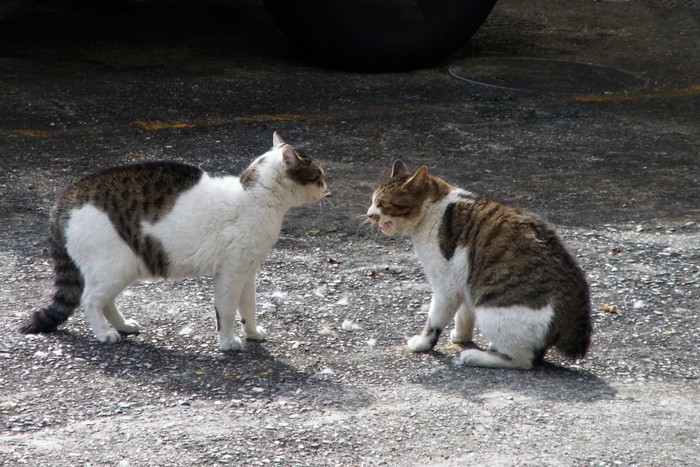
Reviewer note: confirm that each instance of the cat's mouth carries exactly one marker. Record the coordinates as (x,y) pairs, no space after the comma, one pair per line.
(386,226)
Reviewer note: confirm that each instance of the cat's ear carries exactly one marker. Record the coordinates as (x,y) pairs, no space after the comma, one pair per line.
(277,140)
(416,184)
(289,156)
(398,169)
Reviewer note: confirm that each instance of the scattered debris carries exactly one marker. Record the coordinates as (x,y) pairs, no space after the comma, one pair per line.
(349,325)
(612,309)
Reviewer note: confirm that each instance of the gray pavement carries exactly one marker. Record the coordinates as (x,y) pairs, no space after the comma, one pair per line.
(589,115)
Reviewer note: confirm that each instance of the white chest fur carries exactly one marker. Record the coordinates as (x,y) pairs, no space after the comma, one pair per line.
(446,276)
(213,222)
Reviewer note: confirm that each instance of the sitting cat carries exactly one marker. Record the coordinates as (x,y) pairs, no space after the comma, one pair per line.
(489,264)
(165,219)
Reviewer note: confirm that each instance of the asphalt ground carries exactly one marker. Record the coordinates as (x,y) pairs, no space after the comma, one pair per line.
(588,114)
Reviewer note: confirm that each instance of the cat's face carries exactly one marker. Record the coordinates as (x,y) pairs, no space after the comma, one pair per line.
(288,172)
(397,203)
(306,174)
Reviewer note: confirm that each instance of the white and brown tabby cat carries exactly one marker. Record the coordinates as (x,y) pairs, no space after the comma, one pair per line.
(488,264)
(165,219)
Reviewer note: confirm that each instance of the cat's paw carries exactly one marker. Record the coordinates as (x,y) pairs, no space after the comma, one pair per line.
(232,344)
(130,326)
(419,344)
(457,339)
(259,335)
(110,337)
(471,357)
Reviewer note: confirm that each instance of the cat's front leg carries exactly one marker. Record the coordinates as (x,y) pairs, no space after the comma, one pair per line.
(463,333)
(442,310)
(246,309)
(227,293)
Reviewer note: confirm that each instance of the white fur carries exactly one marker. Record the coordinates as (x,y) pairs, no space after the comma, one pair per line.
(516,333)
(96,248)
(419,343)
(216,228)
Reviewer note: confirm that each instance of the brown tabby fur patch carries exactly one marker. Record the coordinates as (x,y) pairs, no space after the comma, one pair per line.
(304,170)
(130,195)
(250,177)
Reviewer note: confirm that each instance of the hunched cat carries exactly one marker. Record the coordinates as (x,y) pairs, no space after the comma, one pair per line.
(171,220)
(489,265)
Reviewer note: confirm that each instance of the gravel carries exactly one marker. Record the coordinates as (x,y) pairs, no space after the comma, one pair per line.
(334,384)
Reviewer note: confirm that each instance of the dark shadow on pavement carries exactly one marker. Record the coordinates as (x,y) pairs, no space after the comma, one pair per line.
(210,374)
(546,381)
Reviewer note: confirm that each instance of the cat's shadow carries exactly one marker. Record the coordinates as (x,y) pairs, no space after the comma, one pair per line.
(545,381)
(209,374)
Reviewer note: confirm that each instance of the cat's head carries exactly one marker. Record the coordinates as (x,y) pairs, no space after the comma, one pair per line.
(397,204)
(289,171)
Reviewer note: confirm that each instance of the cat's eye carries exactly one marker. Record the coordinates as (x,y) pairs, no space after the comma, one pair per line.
(396,208)
(316,180)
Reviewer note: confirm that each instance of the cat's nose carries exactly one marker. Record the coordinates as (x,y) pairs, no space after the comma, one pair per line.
(373,213)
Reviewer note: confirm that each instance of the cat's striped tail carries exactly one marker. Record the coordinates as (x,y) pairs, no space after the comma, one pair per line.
(68,289)
(575,338)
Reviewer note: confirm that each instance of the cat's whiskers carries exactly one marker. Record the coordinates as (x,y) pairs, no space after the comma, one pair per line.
(366,221)
(325,201)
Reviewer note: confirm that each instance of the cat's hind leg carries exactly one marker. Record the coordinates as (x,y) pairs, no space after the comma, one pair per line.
(108,265)
(121,324)
(518,332)
(95,301)
(98,301)
(463,332)
(521,359)
(442,310)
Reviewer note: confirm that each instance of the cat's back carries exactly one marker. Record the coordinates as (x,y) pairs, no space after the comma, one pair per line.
(146,191)
(92,214)
(510,247)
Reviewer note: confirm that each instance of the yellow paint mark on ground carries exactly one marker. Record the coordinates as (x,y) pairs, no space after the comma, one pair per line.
(282,117)
(657,94)
(453,346)
(30,133)
(154,125)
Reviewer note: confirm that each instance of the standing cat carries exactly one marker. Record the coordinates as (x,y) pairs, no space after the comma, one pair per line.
(489,264)
(164,219)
